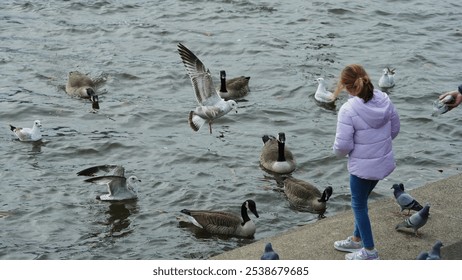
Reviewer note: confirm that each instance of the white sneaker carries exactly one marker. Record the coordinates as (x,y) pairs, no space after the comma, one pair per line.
(363,254)
(348,245)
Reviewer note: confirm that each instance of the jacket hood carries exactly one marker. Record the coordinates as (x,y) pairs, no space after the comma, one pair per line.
(376,112)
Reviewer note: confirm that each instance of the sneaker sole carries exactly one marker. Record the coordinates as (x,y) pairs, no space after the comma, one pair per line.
(377,259)
(346,250)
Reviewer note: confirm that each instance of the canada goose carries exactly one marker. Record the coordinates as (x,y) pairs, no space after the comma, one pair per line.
(235,88)
(302,194)
(28,134)
(211,105)
(80,85)
(224,223)
(275,156)
(387,80)
(322,94)
(119,187)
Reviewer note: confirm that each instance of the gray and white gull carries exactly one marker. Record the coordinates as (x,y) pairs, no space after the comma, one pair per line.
(28,134)
(119,187)
(211,105)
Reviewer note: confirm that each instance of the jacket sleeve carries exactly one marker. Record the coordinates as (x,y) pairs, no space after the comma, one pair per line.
(344,143)
(395,123)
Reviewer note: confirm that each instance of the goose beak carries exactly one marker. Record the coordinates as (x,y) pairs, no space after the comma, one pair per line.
(255,213)
(94,100)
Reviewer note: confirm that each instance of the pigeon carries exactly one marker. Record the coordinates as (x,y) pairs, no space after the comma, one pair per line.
(388,78)
(405,200)
(211,105)
(269,253)
(416,220)
(435,252)
(422,256)
(28,134)
(322,94)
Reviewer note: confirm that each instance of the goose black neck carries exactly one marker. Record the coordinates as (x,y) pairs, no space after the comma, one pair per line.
(281,154)
(323,197)
(244,214)
(223,81)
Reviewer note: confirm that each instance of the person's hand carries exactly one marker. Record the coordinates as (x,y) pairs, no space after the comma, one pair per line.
(457,97)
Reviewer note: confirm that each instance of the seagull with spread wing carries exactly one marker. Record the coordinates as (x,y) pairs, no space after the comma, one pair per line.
(211,105)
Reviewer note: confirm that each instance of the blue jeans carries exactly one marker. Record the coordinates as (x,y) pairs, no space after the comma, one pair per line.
(360,190)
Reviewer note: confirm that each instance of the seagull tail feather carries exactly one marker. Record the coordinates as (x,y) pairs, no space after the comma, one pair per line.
(195,122)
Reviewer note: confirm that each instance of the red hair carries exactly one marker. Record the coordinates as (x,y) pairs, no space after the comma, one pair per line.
(356,81)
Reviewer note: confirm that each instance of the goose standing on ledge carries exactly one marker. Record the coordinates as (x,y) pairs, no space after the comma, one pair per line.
(28,134)
(233,89)
(224,223)
(304,195)
(211,105)
(80,85)
(275,156)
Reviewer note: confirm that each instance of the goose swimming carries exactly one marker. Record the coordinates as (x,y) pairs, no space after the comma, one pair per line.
(275,156)
(302,194)
(80,85)
(233,89)
(224,223)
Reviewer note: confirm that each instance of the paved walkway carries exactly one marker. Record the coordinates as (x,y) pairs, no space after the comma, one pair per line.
(315,241)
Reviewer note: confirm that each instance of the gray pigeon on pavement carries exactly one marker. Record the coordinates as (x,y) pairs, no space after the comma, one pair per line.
(422,256)
(416,220)
(405,200)
(435,252)
(269,253)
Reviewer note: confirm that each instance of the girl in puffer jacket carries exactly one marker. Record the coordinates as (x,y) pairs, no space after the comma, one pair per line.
(367,124)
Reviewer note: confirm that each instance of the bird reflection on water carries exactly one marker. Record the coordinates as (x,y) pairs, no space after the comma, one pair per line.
(118,218)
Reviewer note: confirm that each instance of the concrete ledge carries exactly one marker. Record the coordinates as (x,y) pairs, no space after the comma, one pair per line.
(315,241)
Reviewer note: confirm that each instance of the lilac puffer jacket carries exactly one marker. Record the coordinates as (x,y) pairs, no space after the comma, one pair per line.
(364,133)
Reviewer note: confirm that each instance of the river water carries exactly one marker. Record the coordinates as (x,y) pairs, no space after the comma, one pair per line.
(48,212)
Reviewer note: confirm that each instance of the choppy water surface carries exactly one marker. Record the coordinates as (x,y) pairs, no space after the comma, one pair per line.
(47,212)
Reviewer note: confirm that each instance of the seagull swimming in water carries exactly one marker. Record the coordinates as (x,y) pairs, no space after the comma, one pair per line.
(322,94)
(211,105)
(28,134)
(388,78)
(119,187)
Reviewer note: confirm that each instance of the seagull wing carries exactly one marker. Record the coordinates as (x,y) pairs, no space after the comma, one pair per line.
(116,170)
(115,183)
(200,77)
